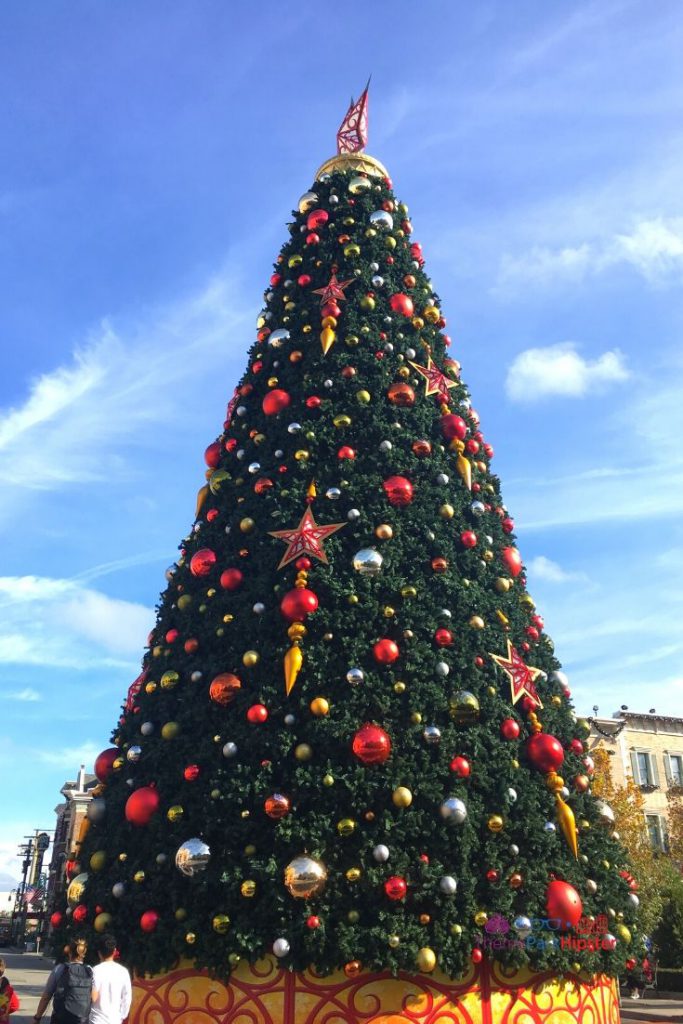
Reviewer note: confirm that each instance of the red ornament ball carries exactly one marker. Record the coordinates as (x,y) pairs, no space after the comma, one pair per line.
(191,773)
(191,646)
(275,401)
(513,560)
(277,806)
(172,636)
(56,919)
(80,913)
(468,539)
(476,956)
(402,303)
(212,455)
(104,763)
(142,805)
(630,963)
(313,402)
(346,452)
(303,280)
(443,637)
(545,752)
(576,746)
(509,729)
(232,579)
(297,604)
(257,714)
(396,888)
(202,562)
(492,875)
(398,490)
(224,688)
(563,901)
(149,920)
(317,219)
(453,427)
(313,921)
(371,744)
(385,651)
(461,766)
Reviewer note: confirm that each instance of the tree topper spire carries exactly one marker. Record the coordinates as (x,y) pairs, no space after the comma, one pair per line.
(352,136)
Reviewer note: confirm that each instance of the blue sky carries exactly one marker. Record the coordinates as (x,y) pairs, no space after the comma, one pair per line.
(152,153)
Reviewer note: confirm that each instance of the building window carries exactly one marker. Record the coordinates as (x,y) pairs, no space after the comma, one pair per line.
(644,767)
(656,831)
(675,772)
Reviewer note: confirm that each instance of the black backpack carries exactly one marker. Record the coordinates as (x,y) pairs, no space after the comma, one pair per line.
(73,994)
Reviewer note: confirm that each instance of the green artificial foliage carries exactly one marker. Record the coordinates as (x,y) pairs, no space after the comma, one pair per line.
(428,581)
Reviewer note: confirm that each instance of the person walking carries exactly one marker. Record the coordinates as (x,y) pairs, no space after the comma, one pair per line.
(111,987)
(70,986)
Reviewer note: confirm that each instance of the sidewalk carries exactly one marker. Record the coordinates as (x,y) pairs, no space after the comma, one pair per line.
(27,973)
(666,1011)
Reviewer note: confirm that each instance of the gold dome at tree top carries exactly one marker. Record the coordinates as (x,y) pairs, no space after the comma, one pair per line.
(361,163)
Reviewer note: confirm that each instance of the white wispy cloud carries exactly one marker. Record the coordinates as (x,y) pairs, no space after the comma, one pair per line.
(542,568)
(28,695)
(653,248)
(559,369)
(75,421)
(70,758)
(62,623)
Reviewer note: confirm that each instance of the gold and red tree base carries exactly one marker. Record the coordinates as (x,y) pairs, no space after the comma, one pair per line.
(263,993)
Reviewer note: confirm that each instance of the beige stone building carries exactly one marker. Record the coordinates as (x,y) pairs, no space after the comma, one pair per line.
(77,795)
(647,748)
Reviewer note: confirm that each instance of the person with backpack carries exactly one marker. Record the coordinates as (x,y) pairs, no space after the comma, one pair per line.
(111,987)
(9,1000)
(70,987)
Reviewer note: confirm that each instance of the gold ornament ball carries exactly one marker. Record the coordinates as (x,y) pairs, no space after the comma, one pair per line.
(502,585)
(190,938)
(416,718)
(352,599)
(328,780)
(393,942)
(220,923)
(215,794)
(388,611)
(495,823)
(180,914)
(402,797)
(118,764)
(184,601)
(139,877)
(353,917)
(320,707)
(342,420)
(169,680)
(408,592)
(234,959)
(556,701)
(102,922)
(353,875)
(399,687)
(249,850)
(150,687)
(384,532)
(170,730)
(455,929)
(446,511)
(476,622)
(480,918)
(514,763)
(305,877)
(623,933)
(346,827)
(301,455)
(425,919)
(98,860)
(426,960)
(248,889)
(363,397)
(250,658)
(464,708)
(174,813)
(123,857)
(247,525)
(303,752)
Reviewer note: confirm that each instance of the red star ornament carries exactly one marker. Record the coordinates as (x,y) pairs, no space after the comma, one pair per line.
(334,289)
(437,382)
(305,539)
(522,677)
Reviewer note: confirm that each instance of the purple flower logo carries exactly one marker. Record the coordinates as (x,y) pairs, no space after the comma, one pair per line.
(497,925)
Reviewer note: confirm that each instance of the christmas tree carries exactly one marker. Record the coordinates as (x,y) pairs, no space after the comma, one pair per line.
(351,743)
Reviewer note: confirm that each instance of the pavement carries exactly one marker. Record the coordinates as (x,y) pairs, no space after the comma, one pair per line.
(28,973)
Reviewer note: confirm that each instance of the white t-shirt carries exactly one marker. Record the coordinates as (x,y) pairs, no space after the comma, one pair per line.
(111,981)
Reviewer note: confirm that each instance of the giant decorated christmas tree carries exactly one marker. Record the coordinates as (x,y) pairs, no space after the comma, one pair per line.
(351,752)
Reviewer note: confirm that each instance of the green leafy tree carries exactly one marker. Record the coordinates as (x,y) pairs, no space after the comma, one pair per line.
(668,934)
(337,750)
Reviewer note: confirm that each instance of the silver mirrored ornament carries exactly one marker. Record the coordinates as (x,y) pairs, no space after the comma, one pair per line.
(192,857)
(367,562)
(453,811)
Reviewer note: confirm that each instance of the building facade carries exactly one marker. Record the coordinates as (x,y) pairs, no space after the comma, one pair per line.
(70,814)
(647,748)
